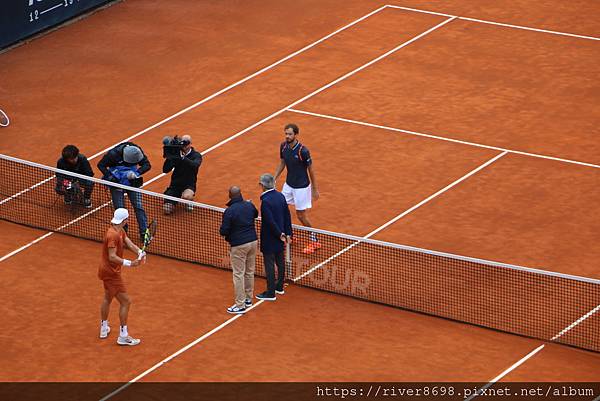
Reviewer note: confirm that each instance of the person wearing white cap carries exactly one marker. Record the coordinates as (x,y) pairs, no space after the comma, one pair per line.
(125,164)
(110,273)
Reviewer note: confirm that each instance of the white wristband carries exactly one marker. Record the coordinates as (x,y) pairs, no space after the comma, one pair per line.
(126,263)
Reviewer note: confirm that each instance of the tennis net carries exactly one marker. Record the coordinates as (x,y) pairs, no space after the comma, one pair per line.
(529,302)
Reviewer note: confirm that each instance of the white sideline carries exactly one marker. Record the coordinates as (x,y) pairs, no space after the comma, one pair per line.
(575,323)
(507,371)
(175,354)
(481,21)
(256,124)
(49,233)
(441,138)
(220,92)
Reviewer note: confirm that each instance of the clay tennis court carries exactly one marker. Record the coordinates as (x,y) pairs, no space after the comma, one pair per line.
(429,127)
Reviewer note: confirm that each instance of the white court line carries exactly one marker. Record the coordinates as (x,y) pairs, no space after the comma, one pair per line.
(401,215)
(441,138)
(256,124)
(497,23)
(535,351)
(507,371)
(49,233)
(174,355)
(575,323)
(329,85)
(220,92)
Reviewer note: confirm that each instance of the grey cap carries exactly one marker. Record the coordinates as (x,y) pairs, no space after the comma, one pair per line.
(132,154)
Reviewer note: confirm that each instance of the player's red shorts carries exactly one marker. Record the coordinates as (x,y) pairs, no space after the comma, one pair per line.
(114,286)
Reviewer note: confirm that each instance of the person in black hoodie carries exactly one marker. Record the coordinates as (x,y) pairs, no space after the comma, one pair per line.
(185,168)
(75,162)
(238,229)
(125,164)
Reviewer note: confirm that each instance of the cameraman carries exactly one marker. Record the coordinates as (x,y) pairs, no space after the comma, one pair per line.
(185,161)
(125,164)
(74,162)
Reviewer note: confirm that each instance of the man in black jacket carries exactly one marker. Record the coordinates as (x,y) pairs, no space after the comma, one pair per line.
(74,162)
(125,164)
(185,168)
(275,232)
(238,229)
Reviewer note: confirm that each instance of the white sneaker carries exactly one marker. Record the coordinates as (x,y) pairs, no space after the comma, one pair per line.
(128,340)
(104,331)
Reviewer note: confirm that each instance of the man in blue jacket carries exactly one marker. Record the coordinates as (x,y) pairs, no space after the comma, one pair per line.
(125,164)
(275,231)
(238,229)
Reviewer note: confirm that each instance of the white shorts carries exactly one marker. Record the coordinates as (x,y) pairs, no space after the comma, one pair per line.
(301,198)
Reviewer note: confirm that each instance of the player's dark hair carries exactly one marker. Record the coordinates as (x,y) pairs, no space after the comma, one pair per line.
(294,128)
(70,152)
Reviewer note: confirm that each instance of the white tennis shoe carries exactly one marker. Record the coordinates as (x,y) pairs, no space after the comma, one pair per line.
(104,331)
(128,340)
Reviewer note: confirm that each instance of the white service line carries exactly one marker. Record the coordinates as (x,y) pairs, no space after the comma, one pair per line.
(507,371)
(256,124)
(401,215)
(220,92)
(329,85)
(441,138)
(175,354)
(481,21)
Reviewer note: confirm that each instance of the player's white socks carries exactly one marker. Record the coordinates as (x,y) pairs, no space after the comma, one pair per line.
(104,324)
(123,331)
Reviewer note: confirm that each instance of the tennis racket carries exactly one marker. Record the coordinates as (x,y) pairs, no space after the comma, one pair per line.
(4,120)
(149,234)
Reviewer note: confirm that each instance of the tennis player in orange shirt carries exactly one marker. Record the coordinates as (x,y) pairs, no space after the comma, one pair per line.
(110,273)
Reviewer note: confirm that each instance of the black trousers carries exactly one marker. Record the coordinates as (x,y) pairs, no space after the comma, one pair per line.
(270,260)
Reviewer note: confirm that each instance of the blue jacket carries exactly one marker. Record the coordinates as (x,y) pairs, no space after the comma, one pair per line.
(238,222)
(114,158)
(276,219)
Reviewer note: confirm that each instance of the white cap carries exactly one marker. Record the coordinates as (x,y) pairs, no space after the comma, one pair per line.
(120,215)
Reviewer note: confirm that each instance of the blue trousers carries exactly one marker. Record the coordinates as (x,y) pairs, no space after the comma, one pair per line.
(135,198)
